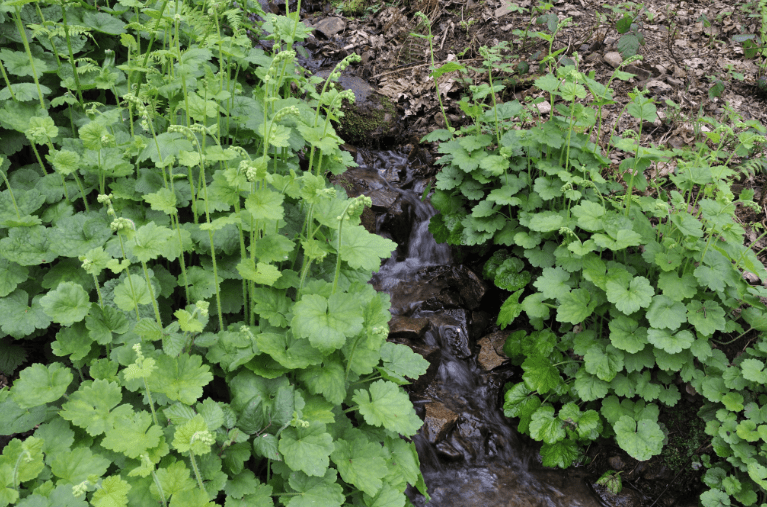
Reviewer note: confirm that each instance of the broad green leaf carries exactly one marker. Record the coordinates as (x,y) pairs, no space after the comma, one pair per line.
(753,370)
(671,343)
(20,319)
(315,491)
(261,273)
(540,374)
(104,323)
(604,362)
(193,436)
(590,387)
(307,448)
(387,405)
(92,407)
(112,493)
(575,306)
(265,204)
(676,287)
(132,434)
(327,323)
(626,334)
(131,292)
(641,439)
(399,362)
(510,310)
(546,221)
(665,313)
(180,378)
(39,384)
(628,299)
(544,426)
(534,307)
(329,380)
(17,419)
(733,401)
(363,250)
(27,246)
(77,465)
(152,241)
(360,463)
(68,304)
(561,454)
(17,63)
(163,200)
(76,235)
(707,316)
(103,22)
(641,108)
(11,274)
(552,283)
(288,351)
(175,478)
(589,215)
(26,458)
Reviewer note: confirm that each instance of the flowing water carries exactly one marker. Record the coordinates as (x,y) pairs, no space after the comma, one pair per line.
(470,454)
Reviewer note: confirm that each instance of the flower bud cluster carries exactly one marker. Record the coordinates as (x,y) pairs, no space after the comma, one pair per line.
(106,199)
(285,111)
(119,224)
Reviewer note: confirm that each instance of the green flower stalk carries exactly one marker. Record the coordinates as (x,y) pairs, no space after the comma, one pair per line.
(142,368)
(353,210)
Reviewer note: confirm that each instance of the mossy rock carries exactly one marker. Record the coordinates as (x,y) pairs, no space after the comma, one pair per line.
(372,120)
(369,123)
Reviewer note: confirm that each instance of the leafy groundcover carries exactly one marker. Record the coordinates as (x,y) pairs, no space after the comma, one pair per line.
(623,288)
(195,306)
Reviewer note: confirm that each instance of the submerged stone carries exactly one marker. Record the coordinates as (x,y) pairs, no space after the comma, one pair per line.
(439,420)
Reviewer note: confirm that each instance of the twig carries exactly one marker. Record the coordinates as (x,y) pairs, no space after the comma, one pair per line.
(419,65)
(669,485)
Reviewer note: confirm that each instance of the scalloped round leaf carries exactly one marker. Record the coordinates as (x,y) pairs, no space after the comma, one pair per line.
(67,304)
(641,439)
(39,384)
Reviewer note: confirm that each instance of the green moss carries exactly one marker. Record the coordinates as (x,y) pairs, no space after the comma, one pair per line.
(360,120)
(351,7)
(687,436)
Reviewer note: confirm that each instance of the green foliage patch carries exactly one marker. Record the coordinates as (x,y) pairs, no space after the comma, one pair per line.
(206,301)
(621,286)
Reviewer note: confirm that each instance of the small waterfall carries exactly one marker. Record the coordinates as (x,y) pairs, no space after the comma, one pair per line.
(479,460)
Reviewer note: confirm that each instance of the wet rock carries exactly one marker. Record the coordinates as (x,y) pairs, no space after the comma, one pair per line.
(488,357)
(382,198)
(471,287)
(398,221)
(437,288)
(626,498)
(330,26)
(407,327)
(450,326)
(613,58)
(372,117)
(480,321)
(616,463)
(439,420)
(445,449)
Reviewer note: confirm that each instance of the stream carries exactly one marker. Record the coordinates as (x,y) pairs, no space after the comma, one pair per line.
(470,454)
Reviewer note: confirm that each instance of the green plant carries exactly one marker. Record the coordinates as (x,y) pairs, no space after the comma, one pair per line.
(204,303)
(612,481)
(623,292)
(628,23)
